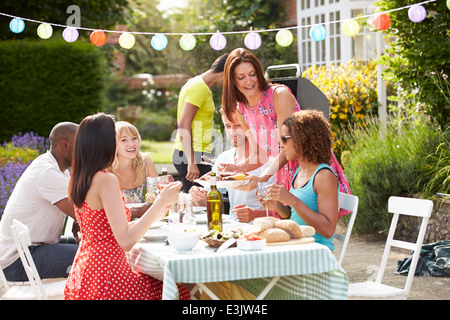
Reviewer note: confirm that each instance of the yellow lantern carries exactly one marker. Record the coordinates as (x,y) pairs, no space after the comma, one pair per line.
(284,37)
(44,31)
(126,40)
(351,28)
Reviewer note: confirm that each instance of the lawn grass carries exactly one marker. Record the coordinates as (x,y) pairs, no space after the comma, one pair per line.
(159,151)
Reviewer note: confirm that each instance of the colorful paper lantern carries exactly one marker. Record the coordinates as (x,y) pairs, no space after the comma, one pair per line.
(44,31)
(188,42)
(218,41)
(70,34)
(417,13)
(382,21)
(126,40)
(17,25)
(318,33)
(98,38)
(284,38)
(252,40)
(448,4)
(159,42)
(351,27)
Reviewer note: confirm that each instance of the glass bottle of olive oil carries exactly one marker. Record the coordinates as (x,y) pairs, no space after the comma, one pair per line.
(214,206)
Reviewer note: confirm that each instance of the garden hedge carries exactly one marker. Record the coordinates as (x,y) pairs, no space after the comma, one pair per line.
(44,82)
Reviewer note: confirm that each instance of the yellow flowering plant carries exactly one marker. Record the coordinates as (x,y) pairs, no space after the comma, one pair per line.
(352,93)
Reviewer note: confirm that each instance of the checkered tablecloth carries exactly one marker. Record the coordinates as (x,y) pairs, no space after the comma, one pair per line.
(308,271)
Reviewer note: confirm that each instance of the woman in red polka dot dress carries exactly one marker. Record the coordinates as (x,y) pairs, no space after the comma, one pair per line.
(100,269)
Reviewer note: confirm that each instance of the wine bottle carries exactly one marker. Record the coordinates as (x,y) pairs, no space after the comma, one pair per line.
(214,206)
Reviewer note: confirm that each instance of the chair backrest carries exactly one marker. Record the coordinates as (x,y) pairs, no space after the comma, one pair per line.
(22,241)
(411,207)
(348,202)
(3,282)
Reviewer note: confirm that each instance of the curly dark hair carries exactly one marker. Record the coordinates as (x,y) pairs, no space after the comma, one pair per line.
(311,134)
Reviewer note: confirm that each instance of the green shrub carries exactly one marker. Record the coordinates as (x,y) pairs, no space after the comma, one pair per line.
(352,92)
(45,82)
(157,126)
(386,160)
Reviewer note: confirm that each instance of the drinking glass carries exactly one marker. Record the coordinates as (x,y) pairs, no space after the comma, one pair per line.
(261,191)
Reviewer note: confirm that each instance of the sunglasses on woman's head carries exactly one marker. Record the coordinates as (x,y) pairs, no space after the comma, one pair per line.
(285,138)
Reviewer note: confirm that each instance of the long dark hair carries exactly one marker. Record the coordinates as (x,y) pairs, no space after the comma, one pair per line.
(94,150)
(231,95)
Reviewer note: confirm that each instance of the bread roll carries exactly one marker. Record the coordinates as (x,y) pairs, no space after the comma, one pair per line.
(291,227)
(275,235)
(264,223)
(307,231)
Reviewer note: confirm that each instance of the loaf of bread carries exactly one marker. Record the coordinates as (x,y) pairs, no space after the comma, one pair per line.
(264,223)
(307,231)
(291,227)
(275,235)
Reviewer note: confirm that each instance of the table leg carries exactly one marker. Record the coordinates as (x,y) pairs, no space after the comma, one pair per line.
(267,288)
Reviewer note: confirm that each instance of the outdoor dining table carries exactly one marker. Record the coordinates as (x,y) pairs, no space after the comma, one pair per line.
(305,271)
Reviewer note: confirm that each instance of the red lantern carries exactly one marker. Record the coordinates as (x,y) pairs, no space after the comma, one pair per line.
(382,21)
(98,38)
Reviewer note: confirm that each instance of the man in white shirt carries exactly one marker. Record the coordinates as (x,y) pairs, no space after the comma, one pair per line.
(244,206)
(40,201)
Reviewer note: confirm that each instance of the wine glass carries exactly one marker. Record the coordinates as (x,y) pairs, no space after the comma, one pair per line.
(161,181)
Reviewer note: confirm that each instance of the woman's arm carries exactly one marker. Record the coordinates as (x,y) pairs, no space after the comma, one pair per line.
(325,186)
(127,233)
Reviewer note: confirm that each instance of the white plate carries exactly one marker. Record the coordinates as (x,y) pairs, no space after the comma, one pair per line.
(156,234)
(157,225)
(198,209)
(222,184)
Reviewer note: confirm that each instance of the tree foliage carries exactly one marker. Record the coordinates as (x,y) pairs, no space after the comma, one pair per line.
(418,59)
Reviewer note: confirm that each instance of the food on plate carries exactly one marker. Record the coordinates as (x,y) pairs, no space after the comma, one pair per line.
(225,176)
(250,237)
(291,227)
(264,223)
(275,235)
(276,230)
(216,238)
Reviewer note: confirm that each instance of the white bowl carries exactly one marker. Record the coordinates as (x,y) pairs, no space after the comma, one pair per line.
(183,241)
(244,244)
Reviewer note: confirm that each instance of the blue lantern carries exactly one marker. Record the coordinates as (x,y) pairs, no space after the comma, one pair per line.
(159,42)
(318,33)
(17,25)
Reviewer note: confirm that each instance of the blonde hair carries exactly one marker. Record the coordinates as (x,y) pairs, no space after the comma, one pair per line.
(138,162)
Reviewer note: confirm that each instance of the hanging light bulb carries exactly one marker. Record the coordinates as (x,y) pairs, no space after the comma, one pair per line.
(159,42)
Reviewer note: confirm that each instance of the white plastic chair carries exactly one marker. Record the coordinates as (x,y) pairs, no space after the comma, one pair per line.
(375,289)
(347,202)
(35,290)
